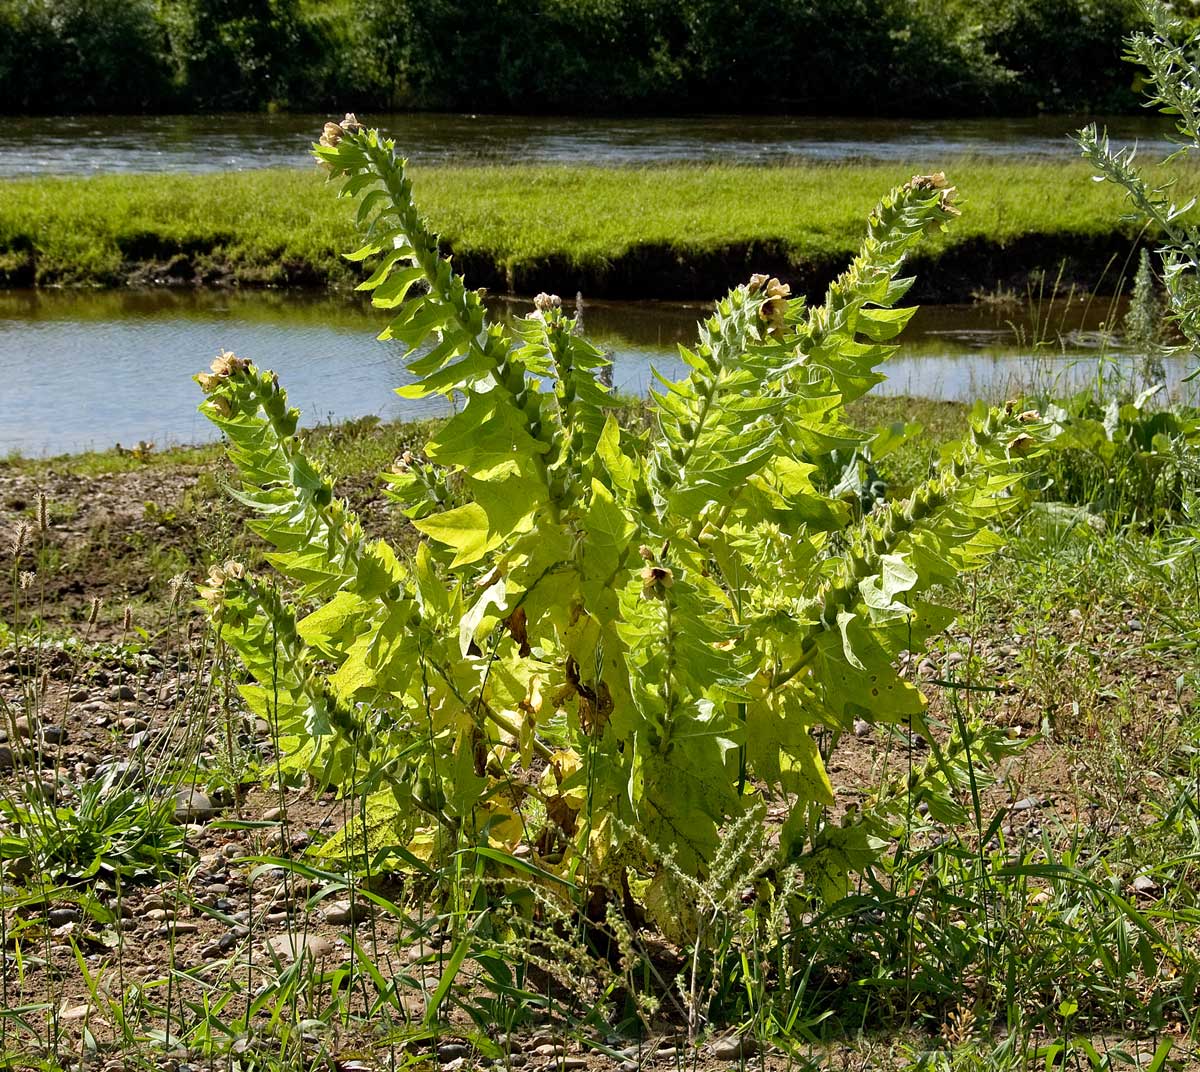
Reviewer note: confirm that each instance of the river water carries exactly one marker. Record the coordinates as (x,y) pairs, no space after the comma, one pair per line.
(104,144)
(85,370)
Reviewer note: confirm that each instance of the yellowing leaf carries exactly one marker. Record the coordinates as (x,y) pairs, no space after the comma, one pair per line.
(465,530)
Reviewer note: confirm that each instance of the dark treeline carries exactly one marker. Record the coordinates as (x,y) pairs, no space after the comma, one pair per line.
(912,57)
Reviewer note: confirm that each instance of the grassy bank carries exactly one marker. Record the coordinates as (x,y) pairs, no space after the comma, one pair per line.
(672,231)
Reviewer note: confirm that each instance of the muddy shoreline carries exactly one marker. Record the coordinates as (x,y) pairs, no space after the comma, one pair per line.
(654,271)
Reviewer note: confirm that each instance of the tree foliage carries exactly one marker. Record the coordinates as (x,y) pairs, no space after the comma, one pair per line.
(907,57)
(603,631)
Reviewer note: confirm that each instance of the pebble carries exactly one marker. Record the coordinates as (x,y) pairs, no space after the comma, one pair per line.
(1027,804)
(448,1051)
(122,692)
(21,726)
(55,735)
(7,759)
(56,917)
(79,696)
(862,727)
(73,1012)
(1145,886)
(340,913)
(733,1048)
(292,946)
(191,804)
(177,927)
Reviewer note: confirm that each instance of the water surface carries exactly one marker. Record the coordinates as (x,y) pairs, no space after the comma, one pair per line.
(102,144)
(85,370)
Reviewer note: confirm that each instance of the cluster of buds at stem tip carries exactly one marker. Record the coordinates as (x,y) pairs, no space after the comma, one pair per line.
(546,304)
(213,590)
(335,132)
(776,293)
(224,365)
(936,183)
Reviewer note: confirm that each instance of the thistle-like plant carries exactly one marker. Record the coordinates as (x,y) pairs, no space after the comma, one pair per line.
(616,631)
(1166,50)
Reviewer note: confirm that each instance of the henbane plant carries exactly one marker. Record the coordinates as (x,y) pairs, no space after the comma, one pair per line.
(614,631)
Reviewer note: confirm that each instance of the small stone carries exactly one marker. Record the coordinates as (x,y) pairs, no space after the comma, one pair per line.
(177,927)
(341,913)
(122,692)
(1027,804)
(955,658)
(733,1048)
(41,789)
(272,815)
(862,728)
(549,1049)
(450,1051)
(55,735)
(70,1013)
(56,917)
(21,726)
(292,946)
(1145,886)
(1135,626)
(7,759)
(79,696)
(192,805)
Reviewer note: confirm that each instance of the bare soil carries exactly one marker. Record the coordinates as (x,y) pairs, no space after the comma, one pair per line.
(1081,680)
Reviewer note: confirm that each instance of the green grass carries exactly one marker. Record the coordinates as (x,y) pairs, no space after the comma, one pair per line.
(276,227)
